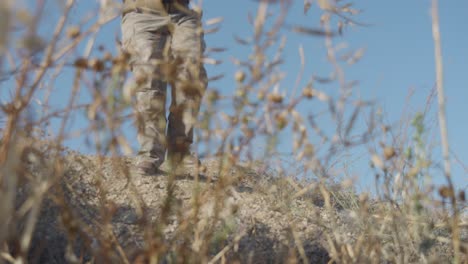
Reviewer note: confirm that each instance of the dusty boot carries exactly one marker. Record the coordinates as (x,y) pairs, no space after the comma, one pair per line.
(146,167)
(181,164)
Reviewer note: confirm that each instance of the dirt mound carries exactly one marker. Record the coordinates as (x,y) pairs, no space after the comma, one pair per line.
(97,210)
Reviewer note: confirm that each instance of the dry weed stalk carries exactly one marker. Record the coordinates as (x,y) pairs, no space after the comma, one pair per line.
(397,226)
(443,131)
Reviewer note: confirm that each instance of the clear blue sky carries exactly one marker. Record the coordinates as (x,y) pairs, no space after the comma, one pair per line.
(399,58)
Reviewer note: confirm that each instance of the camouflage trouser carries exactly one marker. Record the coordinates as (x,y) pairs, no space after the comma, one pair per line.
(165,48)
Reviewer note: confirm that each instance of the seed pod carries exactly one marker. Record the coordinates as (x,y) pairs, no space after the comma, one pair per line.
(377,162)
(240,76)
(445,192)
(308,92)
(96,65)
(81,63)
(389,153)
(275,98)
(462,196)
(281,120)
(73,32)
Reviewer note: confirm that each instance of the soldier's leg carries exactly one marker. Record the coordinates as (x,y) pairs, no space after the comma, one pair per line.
(187,47)
(146,37)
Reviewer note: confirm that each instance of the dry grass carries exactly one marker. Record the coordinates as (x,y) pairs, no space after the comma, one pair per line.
(60,206)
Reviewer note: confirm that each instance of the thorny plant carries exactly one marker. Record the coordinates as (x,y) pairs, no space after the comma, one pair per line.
(397,226)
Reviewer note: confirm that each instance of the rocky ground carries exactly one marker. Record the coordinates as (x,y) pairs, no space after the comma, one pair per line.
(96,210)
(98,205)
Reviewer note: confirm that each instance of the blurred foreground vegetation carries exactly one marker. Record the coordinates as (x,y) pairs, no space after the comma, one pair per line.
(303,205)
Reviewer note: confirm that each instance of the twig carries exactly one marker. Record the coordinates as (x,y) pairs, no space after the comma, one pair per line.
(6,256)
(226,249)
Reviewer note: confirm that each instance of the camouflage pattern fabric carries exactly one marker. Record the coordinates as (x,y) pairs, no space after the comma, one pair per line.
(165,48)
